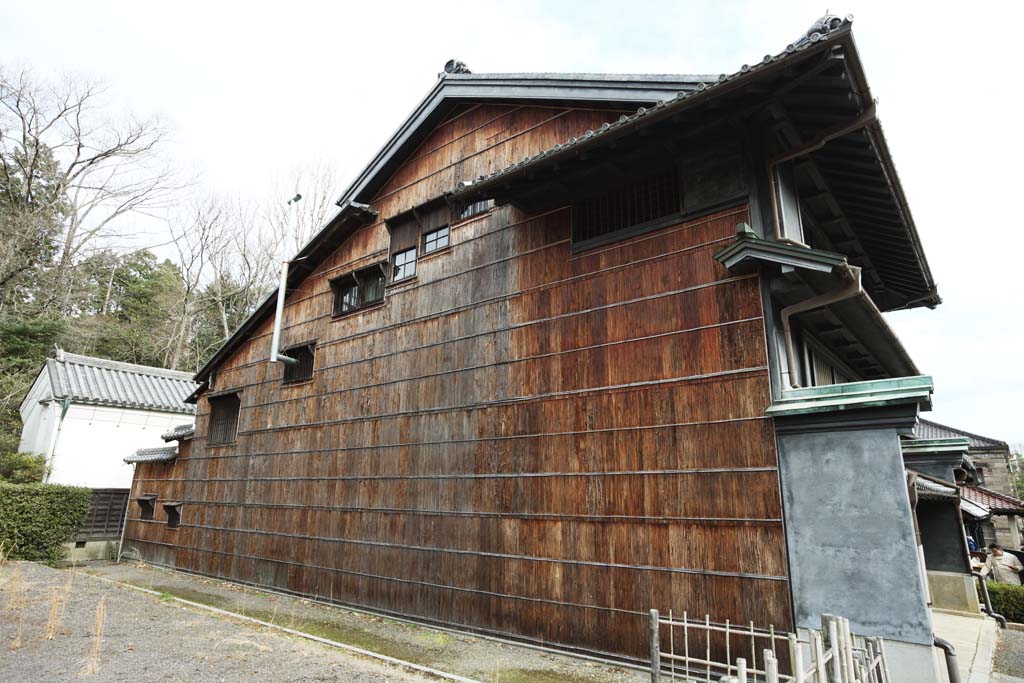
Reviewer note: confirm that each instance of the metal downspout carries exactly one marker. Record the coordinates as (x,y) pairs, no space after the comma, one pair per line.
(124,522)
(988,601)
(849,289)
(952,669)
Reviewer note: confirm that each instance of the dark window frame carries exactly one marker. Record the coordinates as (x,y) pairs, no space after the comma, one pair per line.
(641,205)
(425,240)
(408,264)
(147,505)
(216,432)
(363,281)
(297,373)
(173,512)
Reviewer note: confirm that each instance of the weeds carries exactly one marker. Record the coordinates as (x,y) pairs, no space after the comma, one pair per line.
(92,664)
(15,590)
(16,643)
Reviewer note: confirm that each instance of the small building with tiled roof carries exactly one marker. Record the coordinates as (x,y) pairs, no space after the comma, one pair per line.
(86,415)
(991,460)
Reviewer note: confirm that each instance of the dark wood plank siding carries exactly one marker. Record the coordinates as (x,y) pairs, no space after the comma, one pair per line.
(520,440)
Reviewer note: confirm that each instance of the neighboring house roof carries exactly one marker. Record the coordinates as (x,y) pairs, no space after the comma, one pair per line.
(926,429)
(180,432)
(656,98)
(993,500)
(98,381)
(161,454)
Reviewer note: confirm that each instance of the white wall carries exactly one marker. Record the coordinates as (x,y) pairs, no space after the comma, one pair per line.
(39,420)
(94,441)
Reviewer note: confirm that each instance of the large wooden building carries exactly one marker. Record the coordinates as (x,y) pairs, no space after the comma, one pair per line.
(577,346)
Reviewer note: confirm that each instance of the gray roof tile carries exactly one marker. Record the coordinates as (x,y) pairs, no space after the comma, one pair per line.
(161,454)
(98,381)
(926,429)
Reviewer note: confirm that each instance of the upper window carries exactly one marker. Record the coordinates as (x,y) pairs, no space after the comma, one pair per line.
(301,370)
(638,205)
(223,419)
(435,239)
(359,289)
(405,264)
(472,209)
(424,227)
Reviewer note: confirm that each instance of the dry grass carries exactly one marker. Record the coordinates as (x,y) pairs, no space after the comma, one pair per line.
(16,643)
(496,678)
(92,664)
(15,590)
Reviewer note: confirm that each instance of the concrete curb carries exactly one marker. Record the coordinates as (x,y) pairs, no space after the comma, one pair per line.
(409,666)
(981,667)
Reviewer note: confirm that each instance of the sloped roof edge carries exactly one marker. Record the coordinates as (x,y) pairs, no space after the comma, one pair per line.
(932,429)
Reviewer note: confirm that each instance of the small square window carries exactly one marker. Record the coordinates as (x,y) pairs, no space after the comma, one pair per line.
(405,264)
(436,239)
(147,505)
(303,369)
(223,419)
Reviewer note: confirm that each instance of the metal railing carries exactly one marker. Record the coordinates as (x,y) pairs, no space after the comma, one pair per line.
(702,650)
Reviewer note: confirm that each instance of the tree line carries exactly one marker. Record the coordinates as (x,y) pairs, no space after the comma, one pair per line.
(87,201)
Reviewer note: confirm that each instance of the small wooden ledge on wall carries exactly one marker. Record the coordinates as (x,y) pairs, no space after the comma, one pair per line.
(749,251)
(877,393)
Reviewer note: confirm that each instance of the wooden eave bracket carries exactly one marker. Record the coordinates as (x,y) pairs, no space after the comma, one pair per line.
(855,395)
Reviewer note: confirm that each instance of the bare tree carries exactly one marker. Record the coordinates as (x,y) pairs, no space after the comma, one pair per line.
(294,226)
(99,171)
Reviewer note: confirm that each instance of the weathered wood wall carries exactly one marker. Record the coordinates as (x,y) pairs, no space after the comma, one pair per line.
(520,440)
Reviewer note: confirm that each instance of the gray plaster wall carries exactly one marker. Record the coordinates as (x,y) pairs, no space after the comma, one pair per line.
(850,533)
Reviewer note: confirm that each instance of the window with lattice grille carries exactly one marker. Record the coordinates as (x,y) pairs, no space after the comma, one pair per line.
(631,207)
(223,419)
(302,369)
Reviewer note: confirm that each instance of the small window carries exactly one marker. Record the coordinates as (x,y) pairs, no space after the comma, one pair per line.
(436,239)
(405,264)
(303,369)
(173,511)
(359,289)
(644,203)
(470,210)
(147,505)
(223,419)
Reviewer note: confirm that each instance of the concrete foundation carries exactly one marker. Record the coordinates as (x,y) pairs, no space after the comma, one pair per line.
(92,550)
(954,592)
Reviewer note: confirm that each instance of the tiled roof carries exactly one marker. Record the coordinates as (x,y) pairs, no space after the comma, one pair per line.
(162,454)
(997,502)
(926,429)
(98,381)
(180,432)
(819,31)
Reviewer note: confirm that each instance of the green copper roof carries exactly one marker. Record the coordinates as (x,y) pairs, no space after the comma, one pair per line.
(855,395)
(748,250)
(922,446)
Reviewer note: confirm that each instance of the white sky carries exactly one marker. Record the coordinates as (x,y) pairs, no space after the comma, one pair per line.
(252,90)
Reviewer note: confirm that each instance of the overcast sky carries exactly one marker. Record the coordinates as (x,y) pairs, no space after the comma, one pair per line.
(254,89)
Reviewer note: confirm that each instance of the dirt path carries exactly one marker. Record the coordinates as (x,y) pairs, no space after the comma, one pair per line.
(149,639)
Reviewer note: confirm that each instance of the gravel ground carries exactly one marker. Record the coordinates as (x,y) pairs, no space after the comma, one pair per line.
(150,638)
(146,638)
(1009,661)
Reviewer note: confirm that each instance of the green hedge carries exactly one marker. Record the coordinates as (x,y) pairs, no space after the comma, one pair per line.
(36,520)
(1007,600)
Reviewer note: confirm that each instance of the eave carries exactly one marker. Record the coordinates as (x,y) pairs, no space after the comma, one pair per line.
(855,395)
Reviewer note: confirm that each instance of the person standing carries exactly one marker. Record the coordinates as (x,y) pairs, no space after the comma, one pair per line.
(1004,567)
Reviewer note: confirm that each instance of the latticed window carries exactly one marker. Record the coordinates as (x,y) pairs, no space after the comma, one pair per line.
(632,206)
(223,419)
(435,239)
(359,289)
(302,369)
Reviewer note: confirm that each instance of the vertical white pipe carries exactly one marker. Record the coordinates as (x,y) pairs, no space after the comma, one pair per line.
(275,339)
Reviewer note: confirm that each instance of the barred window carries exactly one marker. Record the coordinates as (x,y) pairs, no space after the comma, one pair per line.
(474,208)
(632,206)
(436,239)
(358,289)
(223,419)
(301,370)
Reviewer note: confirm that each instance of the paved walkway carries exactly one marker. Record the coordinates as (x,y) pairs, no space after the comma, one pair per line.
(974,639)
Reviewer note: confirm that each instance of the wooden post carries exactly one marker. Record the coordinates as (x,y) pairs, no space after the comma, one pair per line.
(655,648)
(818,654)
(833,641)
(797,653)
(741,670)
